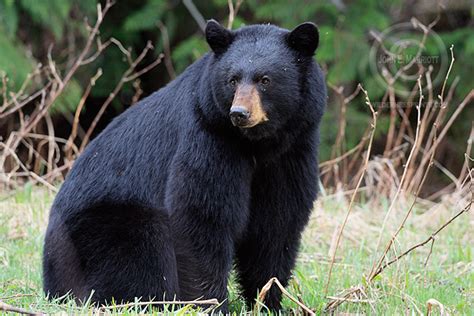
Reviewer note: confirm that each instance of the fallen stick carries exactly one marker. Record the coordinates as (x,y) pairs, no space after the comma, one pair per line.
(269,285)
(9,308)
(431,238)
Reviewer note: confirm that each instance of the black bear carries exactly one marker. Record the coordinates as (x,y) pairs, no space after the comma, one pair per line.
(217,168)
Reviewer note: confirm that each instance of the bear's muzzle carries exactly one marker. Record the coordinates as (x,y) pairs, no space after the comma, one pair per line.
(247,110)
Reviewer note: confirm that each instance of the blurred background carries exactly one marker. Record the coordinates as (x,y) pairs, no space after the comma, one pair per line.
(39,35)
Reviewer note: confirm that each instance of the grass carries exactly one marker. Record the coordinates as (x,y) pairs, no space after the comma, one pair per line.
(403,288)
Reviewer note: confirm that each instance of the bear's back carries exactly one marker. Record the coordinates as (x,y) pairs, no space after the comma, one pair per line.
(120,164)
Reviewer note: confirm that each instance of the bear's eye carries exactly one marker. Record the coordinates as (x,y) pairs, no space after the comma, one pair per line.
(233,82)
(265,80)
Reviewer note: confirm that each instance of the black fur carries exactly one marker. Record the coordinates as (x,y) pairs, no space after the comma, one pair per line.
(170,193)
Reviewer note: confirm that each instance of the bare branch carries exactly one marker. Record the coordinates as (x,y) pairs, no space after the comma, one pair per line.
(268,286)
(9,308)
(195,14)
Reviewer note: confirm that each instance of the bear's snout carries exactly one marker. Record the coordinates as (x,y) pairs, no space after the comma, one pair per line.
(247,110)
(239,115)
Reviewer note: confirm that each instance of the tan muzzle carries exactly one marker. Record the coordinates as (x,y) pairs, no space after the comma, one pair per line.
(247,110)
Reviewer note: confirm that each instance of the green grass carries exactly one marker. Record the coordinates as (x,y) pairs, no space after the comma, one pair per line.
(403,288)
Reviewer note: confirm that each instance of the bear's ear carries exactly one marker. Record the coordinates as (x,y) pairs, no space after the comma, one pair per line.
(218,37)
(304,38)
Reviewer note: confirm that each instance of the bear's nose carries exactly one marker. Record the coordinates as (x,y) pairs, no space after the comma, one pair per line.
(239,115)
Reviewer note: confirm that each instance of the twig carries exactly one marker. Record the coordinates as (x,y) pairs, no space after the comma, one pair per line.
(429,307)
(380,268)
(351,300)
(51,142)
(340,140)
(405,170)
(269,285)
(52,68)
(233,11)
(127,76)
(366,162)
(377,268)
(138,91)
(57,87)
(393,115)
(431,238)
(33,96)
(430,252)
(441,113)
(345,296)
(446,128)
(75,124)
(9,308)
(441,96)
(28,172)
(195,14)
(426,29)
(100,48)
(338,146)
(344,155)
(16,296)
(145,69)
(19,94)
(470,141)
(167,49)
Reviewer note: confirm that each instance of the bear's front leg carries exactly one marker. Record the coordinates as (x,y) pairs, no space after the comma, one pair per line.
(208,194)
(283,193)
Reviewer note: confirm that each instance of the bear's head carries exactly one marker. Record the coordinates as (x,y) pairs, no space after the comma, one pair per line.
(260,75)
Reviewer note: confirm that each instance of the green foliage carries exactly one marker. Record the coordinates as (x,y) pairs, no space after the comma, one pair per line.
(188,51)
(13,61)
(50,14)
(147,17)
(344,51)
(16,60)
(8,17)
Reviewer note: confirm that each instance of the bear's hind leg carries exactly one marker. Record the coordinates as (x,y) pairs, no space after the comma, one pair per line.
(124,251)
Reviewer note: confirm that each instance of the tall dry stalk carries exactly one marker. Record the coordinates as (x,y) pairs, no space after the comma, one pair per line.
(408,164)
(361,177)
